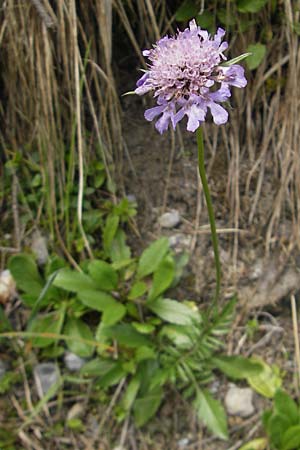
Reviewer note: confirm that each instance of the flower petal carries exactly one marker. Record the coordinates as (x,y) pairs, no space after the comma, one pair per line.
(196,115)
(220,115)
(234,75)
(151,113)
(163,123)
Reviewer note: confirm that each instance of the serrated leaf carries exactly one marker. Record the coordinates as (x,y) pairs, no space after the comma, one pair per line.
(291,438)
(152,256)
(144,408)
(187,10)
(76,328)
(237,367)
(173,311)
(104,276)
(72,281)
(252,6)
(212,413)
(96,300)
(163,277)
(258,52)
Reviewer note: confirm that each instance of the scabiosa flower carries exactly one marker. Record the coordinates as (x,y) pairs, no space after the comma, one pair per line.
(187,77)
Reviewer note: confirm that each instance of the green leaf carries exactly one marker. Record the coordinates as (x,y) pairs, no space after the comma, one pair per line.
(291,438)
(97,300)
(97,367)
(212,413)
(277,425)
(143,353)
(252,6)
(152,256)
(104,276)
(237,367)
(144,328)
(180,335)
(25,273)
(113,313)
(226,19)
(72,281)
(267,381)
(126,335)
(130,393)
(258,52)
(286,406)
(163,277)
(119,251)
(112,377)
(110,229)
(49,323)
(256,444)
(145,407)
(137,290)
(173,311)
(187,10)
(78,329)
(206,20)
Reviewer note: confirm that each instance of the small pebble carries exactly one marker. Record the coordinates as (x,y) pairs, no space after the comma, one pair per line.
(39,248)
(184,442)
(169,219)
(7,286)
(73,362)
(2,369)
(180,241)
(239,401)
(45,375)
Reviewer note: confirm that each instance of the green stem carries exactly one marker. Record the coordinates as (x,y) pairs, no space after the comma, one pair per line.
(210,210)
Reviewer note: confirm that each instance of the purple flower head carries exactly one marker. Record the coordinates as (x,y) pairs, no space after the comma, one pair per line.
(187,78)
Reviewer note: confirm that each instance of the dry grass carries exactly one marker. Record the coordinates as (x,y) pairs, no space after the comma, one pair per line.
(61,109)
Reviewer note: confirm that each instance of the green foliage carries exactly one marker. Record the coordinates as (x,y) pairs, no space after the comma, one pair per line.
(258,52)
(159,340)
(281,424)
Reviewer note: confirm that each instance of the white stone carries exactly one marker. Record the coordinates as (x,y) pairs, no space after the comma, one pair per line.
(169,219)
(39,248)
(239,401)
(73,362)
(7,286)
(180,241)
(184,442)
(45,375)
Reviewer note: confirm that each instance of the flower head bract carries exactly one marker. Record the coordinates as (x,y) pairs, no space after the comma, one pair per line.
(187,78)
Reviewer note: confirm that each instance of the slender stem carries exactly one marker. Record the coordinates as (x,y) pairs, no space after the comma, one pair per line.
(210,210)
